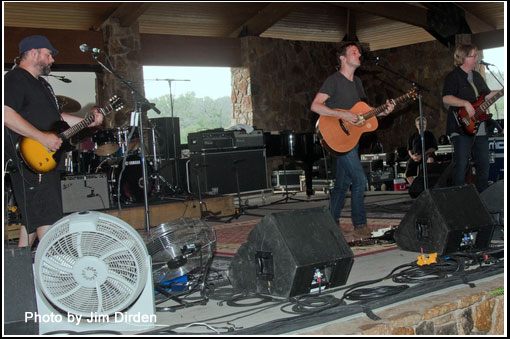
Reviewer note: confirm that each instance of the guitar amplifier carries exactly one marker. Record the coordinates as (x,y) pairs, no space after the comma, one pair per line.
(85,192)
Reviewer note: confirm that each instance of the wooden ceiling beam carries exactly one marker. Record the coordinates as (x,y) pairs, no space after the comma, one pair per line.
(402,12)
(264,19)
(129,12)
(470,17)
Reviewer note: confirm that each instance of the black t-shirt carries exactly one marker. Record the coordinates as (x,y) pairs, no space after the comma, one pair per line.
(414,142)
(32,99)
(456,83)
(343,93)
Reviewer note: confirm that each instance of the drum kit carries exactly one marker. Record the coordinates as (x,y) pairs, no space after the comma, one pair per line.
(116,152)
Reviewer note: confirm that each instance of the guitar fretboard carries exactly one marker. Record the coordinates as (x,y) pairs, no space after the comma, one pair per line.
(483,107)
(68,133)
(380,109)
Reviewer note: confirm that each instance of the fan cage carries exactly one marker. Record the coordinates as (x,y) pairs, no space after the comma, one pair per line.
(166,242)
(91,263)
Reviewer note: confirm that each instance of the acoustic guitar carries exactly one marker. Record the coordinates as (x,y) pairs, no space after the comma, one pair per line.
(471,124)
(40,159)
(339,136)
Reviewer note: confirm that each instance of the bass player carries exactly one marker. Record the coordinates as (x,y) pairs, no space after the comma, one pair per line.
(461,87)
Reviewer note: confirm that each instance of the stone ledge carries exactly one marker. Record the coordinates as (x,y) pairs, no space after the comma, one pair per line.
(481,313)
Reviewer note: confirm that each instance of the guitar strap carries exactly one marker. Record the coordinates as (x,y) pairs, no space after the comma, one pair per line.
(52,93)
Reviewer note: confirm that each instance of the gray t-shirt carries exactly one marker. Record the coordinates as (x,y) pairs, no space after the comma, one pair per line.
(342,92)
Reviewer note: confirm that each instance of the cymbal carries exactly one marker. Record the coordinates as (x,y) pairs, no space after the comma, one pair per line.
(67,104)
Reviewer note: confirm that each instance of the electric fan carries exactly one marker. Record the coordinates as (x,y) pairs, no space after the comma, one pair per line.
(94,267)
(179,247)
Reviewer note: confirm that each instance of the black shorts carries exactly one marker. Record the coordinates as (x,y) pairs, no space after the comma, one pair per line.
(39,203)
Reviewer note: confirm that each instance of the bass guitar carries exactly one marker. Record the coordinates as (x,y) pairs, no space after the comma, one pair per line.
(471,124)
(340,137)
(40,159)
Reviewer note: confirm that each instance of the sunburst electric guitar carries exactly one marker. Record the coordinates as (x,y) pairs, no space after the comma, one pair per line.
(338,136)
(40,159)
(471,124)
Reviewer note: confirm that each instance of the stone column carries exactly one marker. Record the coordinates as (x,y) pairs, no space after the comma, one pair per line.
(242,109)
(122,45)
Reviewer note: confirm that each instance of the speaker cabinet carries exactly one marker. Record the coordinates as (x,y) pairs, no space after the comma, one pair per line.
(292,253)
(493,198)
(167,130)
(446,220)
(216,172)
(84,192)
(19,292)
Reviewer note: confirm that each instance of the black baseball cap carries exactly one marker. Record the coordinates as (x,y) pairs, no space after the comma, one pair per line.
(36,42)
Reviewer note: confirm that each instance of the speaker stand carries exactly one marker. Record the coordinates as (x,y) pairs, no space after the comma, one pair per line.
(241,210)
(286,194)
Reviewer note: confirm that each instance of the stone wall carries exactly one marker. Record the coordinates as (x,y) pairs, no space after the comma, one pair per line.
(461,311)
(286,75)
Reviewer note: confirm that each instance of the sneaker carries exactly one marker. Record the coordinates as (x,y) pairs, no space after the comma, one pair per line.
(363,231)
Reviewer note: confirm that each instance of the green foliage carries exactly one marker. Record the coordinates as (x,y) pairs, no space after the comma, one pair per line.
(195,114)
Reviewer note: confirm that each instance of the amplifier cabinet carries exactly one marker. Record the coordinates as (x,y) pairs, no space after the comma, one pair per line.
(216,172)
(85,192)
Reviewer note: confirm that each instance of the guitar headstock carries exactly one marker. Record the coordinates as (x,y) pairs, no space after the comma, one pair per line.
(413,93)
(116,103)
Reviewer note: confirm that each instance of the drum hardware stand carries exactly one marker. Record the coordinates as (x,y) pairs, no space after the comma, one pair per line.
(140,103)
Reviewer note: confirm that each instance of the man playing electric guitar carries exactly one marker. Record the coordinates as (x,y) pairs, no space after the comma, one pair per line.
(343,90)
(30,108)
(461,87)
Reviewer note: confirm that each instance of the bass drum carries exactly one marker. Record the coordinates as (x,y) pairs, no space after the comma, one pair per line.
(131,180)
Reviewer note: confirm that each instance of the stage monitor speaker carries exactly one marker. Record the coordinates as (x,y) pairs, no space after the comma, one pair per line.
(292,253)
(19,292)
(167,129)
(446,220)
(84,192)
(438,176)
(493,198)
(216,172)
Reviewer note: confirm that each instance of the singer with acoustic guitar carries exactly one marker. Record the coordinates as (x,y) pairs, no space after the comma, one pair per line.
(30,110)
(338,95)
(468,126)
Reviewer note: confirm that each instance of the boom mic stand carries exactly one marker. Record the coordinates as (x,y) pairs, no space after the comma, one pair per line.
(422,132)
(141,103)
(177,185)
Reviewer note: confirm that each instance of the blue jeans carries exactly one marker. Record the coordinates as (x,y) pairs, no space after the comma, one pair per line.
(349,171)
(463,146)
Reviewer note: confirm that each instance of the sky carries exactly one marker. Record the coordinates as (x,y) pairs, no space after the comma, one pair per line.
(213,82)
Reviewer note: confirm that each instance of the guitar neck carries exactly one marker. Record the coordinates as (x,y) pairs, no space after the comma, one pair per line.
(492,100)
(68,133)
(382,108)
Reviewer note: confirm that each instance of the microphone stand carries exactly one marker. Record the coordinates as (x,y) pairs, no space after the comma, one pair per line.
(420,89)
(174,145)
(140,103)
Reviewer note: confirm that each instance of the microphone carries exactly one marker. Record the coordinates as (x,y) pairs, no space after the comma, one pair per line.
(61,78)
(85,48)
(371,58)
(481,62)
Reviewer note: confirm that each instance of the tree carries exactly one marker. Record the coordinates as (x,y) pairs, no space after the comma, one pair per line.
(195,114)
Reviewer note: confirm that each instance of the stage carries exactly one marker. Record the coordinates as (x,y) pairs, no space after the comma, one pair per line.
(458,304)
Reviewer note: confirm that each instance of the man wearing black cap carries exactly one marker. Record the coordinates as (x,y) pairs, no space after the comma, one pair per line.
(31,107)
